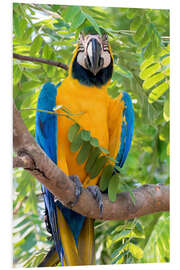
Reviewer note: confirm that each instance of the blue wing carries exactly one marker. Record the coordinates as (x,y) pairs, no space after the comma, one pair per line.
(46,137)
(127,130)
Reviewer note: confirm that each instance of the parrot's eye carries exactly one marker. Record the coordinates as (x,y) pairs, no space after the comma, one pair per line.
(80,47)
(105,48)
(105,42)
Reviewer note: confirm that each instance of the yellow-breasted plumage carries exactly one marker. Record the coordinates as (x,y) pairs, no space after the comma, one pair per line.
(99,113)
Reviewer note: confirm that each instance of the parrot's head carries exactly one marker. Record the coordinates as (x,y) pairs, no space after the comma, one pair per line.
(92,63)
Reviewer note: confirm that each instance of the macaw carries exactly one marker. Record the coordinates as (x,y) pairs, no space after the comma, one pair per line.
(110,120)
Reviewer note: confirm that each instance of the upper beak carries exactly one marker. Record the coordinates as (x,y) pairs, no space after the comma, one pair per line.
(93,56)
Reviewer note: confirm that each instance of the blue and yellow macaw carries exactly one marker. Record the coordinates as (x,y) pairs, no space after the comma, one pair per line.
(110,120)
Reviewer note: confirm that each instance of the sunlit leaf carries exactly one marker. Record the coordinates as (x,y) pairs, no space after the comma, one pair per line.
(136,251)
(166,111)
(36,45)
(146,73)
(153,80)
(158,92)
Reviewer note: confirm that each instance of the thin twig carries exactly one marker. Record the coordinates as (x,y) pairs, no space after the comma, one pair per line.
(48,12)
(40,60)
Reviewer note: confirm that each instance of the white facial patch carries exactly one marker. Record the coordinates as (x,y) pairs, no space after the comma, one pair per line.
(80,59)
(107,58)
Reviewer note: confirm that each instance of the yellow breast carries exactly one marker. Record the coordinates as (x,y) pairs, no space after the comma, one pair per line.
(91,104)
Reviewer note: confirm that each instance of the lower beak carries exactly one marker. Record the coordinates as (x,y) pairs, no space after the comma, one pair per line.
(93,56)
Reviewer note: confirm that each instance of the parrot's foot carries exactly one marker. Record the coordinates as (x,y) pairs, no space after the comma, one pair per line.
(96,193)
(78,188)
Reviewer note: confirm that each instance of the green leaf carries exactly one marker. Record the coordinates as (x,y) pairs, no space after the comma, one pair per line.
(164,132)
(148,72)
(28,85)
(95,152)
(113,187)
(47,51)
(36,46)
(136,23)
(85,135)
(17,74)
(167,71)
(156,42)
(114,161)
(27,34)
(143,42)
(166,112)
(78,20)
(31,65)
(148,50)
(146,63)
(16,25)
(93,22)
(97,167)
(140,33)
(30,75)
(158,92)
(131,12)
(139,227)
(72,131)
(166,61)
(136,251)
(117,251)
(70,12)
(132,197)
(104,150)
(94,142)
(121,234)
(84,152)
(105,177)
(120,256)
(151,81)
(30,241)
(76,142)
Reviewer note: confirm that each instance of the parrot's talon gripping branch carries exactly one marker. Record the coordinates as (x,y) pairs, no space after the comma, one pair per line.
(78,188)
(96,193)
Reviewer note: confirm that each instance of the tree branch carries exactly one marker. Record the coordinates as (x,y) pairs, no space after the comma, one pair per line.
(149,198)
(48,12)
(40,60)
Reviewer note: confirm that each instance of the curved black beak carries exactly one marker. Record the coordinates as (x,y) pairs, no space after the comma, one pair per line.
(93,57)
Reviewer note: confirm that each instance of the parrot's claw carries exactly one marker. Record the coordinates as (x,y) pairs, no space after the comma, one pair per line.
(96,193)
(78,188)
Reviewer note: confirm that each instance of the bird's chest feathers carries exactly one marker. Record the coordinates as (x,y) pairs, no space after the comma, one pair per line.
(89,106)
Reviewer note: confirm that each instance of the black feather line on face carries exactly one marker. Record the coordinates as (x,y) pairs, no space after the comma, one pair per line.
(84,76)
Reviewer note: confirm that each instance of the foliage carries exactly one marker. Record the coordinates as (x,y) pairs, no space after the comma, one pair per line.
(140,43)
(98,162)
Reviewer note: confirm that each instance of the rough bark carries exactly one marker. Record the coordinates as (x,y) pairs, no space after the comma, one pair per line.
(148,198)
